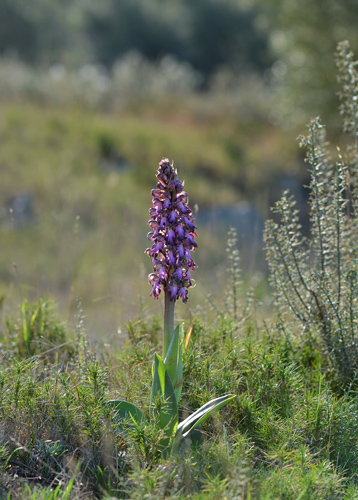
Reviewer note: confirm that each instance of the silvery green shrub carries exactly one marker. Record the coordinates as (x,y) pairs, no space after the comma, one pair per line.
(316,278)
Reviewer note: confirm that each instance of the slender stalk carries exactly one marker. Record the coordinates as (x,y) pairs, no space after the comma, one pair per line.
(168,321)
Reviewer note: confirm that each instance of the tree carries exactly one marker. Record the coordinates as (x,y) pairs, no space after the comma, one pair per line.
(42,31)
(206,33)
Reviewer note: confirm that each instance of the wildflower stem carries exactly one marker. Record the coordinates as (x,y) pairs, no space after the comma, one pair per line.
(168,321)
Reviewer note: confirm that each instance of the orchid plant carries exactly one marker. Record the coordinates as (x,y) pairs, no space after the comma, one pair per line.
(172,235)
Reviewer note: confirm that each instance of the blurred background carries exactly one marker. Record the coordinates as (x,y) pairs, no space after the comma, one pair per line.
(94,94)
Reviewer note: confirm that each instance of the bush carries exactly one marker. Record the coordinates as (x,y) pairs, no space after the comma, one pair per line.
(317,278)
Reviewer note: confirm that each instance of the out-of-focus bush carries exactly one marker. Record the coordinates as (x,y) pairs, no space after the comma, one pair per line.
(134,79)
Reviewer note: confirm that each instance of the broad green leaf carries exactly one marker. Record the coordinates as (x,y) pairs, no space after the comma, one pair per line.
(158,383)
(126,414)
(200,415)
(163,401)
(172,355)
(174,364)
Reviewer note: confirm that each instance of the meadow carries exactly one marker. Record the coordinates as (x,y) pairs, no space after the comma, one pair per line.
(79,328)
(82,179)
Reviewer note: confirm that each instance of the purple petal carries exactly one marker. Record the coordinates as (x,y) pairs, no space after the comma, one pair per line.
(156,193)
(163,274)
(166,203)
(170,235)
(173,216)
(155,261)
(173,289)
(181,251)
(156,290)
(154,225)
(182,207)
(180,231)
(188,223)
(190,239)
(158,245)
(170,258)
(178,273)
(163,222)
(183,293)
(188,277)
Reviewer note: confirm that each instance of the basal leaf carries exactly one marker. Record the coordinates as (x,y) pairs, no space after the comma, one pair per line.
(163,401)
(158,382)
(200,415)
(126,414)
(172,356)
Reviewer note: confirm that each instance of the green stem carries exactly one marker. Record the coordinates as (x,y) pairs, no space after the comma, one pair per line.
(168,321)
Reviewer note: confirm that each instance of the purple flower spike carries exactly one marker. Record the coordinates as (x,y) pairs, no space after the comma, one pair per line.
(172,234)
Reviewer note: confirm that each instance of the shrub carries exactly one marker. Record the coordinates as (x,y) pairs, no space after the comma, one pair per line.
(317,277)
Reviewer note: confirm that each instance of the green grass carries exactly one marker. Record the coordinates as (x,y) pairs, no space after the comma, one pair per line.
(287,435)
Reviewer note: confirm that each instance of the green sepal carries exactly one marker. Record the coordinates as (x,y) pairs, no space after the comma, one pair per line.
(174,363)
(126,415)
(163,405)
(200,415)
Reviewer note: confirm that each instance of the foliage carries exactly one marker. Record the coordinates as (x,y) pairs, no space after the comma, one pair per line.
(285,434)
(64,32)
(303,37)
(234,272)
(207,34)
(317,279)
(37,332)
(284,44)
(45,32)
(166,390)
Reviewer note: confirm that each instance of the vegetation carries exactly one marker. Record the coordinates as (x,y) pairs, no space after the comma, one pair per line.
(88,32)
(303,39)
(84,120)
(315,279)
(289,432)
(287,45)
